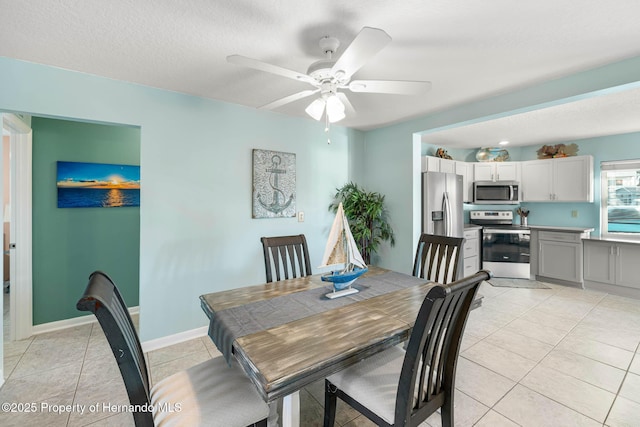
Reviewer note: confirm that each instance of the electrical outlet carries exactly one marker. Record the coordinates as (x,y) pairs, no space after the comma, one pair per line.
(300,216)
(574,214)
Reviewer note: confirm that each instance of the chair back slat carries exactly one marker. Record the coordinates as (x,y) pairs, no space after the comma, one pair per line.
(286,256)
(102,298)
(437,258)
(428,370)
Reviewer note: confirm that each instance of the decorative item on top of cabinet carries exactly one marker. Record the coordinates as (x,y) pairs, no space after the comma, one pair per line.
(492,154)
(442,153)
(556,151)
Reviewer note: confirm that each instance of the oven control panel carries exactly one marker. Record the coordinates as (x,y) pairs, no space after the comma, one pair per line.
(491,217)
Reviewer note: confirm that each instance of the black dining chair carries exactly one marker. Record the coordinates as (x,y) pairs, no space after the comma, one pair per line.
(211,393)
(437,258)
(400,387)
(287,256)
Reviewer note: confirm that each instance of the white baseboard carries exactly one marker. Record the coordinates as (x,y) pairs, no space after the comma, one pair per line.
(147,346)
(162,342)
(70,323)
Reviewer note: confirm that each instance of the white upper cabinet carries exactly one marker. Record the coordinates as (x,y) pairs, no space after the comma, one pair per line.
(573,179)
(536,182)
(496,171)
(436,164)
(568,179)
(466,170)
(430,164)
(448,166)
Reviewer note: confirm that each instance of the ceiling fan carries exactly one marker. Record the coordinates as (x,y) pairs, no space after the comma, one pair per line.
(329,76)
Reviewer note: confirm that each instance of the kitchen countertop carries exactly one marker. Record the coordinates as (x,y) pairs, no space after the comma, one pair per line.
(472,227)
(560,228)
(615,239)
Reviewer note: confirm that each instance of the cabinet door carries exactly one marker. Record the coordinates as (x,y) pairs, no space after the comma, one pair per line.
(430,164)
(471,252)
(507,171)
(465,169)
(483,172)
(598,262)
(560,260)
(447,166)
(536,181)
(573,179)
(628,265)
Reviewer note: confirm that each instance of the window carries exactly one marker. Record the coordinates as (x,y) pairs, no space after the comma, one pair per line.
(620,209)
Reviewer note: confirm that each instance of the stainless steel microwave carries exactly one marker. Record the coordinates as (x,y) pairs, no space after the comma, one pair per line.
(496,193)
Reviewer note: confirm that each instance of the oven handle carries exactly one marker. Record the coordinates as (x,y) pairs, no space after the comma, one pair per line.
(504,231)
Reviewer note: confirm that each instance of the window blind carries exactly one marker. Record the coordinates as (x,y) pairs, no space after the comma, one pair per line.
(620,165)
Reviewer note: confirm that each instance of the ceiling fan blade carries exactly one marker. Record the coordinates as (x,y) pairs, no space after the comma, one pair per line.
(346,102)
(269,68)
(399,87)
(367,43)
(287,99)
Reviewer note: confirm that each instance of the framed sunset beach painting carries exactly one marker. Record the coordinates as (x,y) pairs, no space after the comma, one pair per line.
(97,185)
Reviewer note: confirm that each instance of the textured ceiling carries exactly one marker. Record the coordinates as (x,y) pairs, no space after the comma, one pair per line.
(605,115)
(468,49)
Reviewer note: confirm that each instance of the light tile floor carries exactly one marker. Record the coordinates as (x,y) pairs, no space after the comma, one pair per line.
(531,357)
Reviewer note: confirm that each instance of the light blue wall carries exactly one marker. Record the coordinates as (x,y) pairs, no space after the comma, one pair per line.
(196,230)
(196,233)
(390,149)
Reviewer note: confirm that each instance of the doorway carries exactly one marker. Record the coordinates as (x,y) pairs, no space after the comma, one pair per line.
(17,138)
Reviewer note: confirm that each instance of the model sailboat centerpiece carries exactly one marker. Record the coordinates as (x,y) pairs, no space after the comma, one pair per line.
(342,251)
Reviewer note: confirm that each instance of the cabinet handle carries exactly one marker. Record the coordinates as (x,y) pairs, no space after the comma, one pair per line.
(610,250)
(617,250)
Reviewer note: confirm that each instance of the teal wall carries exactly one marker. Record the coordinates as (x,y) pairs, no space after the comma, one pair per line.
(68,244)
(196,230)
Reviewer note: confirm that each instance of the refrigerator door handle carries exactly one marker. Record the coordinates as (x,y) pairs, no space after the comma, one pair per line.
(447,209)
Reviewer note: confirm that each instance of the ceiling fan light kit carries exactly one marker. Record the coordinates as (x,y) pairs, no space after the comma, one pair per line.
(328,76)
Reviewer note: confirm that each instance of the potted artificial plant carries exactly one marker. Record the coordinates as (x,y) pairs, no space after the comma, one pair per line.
(367,217)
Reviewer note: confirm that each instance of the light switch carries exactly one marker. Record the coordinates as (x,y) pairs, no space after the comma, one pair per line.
(574,214)
(300,216)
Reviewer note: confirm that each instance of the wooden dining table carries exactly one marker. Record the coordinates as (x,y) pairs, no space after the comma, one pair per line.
(287,334)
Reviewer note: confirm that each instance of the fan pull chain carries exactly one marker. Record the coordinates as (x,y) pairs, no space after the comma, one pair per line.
(326,127)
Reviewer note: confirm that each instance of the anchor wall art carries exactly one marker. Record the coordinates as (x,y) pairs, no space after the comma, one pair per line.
(274,184)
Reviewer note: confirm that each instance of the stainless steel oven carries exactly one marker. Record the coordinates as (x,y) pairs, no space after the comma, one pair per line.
(506,251)
(506,248)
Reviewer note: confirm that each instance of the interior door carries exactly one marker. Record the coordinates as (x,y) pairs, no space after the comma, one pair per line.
(21,301)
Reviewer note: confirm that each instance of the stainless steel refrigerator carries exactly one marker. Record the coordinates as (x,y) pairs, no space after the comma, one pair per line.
(442,212)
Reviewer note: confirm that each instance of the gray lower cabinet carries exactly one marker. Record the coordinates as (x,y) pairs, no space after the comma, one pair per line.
(612,263)
(560,256)
(471,252)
